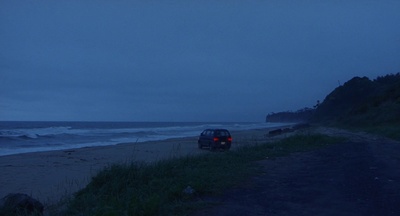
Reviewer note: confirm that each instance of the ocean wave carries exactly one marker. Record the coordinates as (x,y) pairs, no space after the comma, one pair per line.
(33,133)
(29,136)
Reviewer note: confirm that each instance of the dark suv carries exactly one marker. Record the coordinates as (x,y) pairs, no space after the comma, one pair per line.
(215,138)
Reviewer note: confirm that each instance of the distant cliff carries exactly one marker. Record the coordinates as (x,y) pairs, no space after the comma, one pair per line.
(302,115)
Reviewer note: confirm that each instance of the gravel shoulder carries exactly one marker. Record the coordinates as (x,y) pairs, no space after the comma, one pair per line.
(357,177)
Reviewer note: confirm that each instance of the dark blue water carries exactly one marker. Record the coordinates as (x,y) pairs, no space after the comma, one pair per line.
(22,137)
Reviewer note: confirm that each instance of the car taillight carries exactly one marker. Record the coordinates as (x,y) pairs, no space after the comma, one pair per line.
(229,139)
(216,139)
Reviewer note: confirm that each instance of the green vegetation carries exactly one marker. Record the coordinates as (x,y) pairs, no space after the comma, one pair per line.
(157,189)
(302,115)
(361,103)
(392,131)
(388,130)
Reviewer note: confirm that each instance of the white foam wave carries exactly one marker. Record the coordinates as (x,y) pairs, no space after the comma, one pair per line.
(35,132)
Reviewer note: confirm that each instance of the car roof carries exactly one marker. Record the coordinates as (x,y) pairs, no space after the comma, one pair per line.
(217,129)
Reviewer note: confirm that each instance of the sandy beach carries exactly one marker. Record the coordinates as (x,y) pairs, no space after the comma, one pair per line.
(53,175)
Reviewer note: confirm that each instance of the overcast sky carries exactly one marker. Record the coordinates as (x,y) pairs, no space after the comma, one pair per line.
(186,60)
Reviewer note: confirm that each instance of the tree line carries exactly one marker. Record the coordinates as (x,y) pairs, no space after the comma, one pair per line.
(358,101)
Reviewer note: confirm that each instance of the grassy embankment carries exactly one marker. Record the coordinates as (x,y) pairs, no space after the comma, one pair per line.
(387,130)
(157,189)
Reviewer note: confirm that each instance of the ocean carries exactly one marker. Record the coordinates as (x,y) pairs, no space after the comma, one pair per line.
(21,137)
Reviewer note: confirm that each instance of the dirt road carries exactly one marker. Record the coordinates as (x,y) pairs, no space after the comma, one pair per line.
(357,177)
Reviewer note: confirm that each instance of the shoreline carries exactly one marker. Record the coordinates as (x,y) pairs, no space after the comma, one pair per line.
(36,140)
(53,175)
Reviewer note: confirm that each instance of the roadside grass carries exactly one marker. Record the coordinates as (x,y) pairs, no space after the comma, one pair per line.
(388,130)
(158,188)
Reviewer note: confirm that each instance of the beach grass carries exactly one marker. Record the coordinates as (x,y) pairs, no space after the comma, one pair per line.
(176,186)
(387,130)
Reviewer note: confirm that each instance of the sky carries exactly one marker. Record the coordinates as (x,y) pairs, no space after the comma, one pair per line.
(186,60)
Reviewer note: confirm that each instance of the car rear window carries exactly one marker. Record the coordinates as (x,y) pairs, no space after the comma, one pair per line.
(221,133)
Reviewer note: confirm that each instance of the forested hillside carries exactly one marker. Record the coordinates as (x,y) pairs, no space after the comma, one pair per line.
(362,102)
